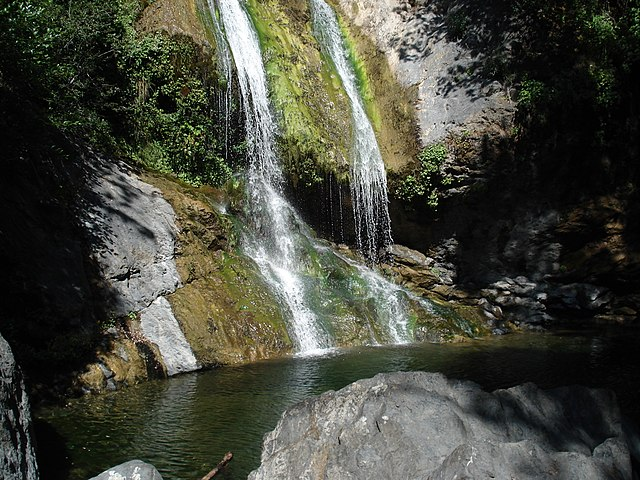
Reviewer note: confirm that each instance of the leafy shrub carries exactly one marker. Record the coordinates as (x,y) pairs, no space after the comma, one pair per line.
(427,180)
(150,97)
(531,93)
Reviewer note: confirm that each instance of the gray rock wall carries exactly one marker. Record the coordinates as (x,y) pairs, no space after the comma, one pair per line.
(422,425)
(17,457)
(132,231)
(413,37)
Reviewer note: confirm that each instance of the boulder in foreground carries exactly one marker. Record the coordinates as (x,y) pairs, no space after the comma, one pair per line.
(17,456)
(423,425)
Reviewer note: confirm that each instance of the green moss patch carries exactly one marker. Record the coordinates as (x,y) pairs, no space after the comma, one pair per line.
(226,312)
(314,112)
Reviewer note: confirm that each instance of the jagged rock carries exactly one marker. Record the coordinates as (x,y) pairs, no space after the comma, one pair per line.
(580,296)
(17,456)
(422,425)
(406,256)
(132,470)
(417,271)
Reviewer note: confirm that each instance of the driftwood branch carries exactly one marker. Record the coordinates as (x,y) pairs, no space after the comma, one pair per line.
(227,458)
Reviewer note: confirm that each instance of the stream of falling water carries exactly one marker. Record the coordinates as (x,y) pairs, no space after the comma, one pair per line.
(271,240)
(367,175)
(323,294)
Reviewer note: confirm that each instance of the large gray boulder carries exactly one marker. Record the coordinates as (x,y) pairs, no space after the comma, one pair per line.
(133,470)
(17,457)
(422,425)
(132,232)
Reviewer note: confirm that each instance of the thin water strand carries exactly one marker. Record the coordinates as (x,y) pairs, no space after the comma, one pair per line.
(224,65)
(367,173)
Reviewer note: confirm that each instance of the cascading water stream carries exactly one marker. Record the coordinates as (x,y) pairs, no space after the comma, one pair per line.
(327,298)
(367,175)
(271,241)
(225,71)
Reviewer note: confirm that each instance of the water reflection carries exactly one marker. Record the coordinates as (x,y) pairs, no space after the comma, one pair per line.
(185,425)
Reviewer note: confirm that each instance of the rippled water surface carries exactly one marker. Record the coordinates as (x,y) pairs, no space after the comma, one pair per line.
(185,425)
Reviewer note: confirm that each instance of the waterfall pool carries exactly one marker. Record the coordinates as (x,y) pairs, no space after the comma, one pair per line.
(185,425)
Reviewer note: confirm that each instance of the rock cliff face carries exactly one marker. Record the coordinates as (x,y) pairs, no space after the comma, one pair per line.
(180,297)
(131,231)
(17,456)
(522,229)
(422,425)
(98,262)
(419,44)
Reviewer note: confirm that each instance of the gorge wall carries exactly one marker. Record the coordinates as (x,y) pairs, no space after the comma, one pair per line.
(535,225)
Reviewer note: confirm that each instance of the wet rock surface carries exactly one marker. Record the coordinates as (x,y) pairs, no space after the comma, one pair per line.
(17,456)
(226,311)
(423,425)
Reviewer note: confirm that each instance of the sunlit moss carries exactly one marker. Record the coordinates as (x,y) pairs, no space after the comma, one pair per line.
(362,78)
(312,109)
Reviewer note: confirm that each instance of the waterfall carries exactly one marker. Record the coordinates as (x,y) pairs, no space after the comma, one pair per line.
(271,241)
(367,175)
(324,295)
(224,65)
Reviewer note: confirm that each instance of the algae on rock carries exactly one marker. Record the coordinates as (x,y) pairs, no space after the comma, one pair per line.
(224,308)
(306,93)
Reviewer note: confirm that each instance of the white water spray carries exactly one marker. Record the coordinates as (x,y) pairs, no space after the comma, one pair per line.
(271,242)
(368,177)
(324,295)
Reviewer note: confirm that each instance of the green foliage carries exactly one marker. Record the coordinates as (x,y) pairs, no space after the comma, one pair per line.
(604,79)
(584,46)
(432,157)
(425,183)
(150,97)
(575,66)
(173,116)
(531,93)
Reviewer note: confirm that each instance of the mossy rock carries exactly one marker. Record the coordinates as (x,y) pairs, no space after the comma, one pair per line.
(127,362)
(225,309)
(314,112)
(230,316)
(448,322)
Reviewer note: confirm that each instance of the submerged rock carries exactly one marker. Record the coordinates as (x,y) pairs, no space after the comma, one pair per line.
(17,457)
(423,425)
(133,470)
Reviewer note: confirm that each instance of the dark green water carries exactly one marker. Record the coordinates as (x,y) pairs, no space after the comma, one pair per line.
(185,425)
